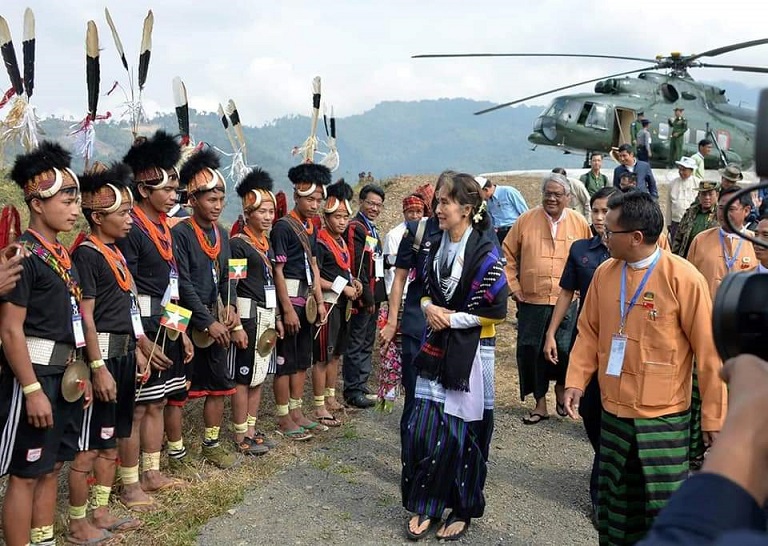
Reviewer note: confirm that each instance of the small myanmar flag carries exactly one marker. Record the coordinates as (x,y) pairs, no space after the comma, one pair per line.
(238,268)
(175,317)
(370,243)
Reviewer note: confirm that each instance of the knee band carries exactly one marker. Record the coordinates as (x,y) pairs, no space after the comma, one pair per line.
(99,496)
(41,534)
(128,474)
(150,461)
(77,512)
(212,434)
(241,428)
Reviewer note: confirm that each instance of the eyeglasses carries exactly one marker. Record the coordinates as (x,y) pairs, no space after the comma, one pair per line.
(374,205)
(553,195)
(607,233)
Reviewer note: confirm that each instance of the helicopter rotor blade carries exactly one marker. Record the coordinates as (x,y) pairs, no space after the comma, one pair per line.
(727,49)
(737,68)
(499,106)
(578,55)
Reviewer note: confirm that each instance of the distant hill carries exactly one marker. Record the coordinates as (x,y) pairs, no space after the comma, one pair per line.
(395,137)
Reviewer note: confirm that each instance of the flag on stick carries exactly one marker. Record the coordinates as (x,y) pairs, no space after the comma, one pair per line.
(175,317)
(238,268)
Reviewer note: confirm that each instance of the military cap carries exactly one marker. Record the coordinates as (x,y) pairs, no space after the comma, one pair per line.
(708,185)
(732,172)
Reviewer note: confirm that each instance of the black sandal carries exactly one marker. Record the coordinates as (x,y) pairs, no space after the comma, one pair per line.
(422,518)
(452,518)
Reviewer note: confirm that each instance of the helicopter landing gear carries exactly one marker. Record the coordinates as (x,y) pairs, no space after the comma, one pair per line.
(587,158)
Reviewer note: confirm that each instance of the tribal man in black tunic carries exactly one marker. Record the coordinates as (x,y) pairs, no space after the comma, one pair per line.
(340,289)
(148,250)
(257,305)
(294,240)
(112,323)
(40,328)
(202,251)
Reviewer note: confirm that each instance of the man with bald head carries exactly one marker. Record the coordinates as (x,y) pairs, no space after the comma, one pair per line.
(536,250)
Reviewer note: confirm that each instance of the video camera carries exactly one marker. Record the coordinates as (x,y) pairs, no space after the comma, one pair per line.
(740,318)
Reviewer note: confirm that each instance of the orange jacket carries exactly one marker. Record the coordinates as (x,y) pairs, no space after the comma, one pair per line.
(706,253)
(535,261)
(670,324)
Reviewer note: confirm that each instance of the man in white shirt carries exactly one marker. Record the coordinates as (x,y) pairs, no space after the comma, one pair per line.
(705,148)
(414,208)
(682,192)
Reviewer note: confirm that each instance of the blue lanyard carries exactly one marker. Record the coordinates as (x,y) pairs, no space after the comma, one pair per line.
(625,310)
(729,260)
(370,226)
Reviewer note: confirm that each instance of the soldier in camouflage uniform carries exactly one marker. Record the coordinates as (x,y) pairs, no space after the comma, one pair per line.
(677,128)
(634,128)
(700,216)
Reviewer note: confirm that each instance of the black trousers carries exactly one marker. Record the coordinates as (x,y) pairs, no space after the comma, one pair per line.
(357,360)
(590,409)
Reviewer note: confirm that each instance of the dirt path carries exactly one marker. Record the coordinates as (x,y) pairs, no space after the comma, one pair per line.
(346,490)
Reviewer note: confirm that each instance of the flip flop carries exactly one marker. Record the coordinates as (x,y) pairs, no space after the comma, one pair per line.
(105,536)
(125,524)
(450,521)
(329,420)
(315,426)
(141,507)
(560,409)
(298,435)
(534,418)
(173,483)
(422,518)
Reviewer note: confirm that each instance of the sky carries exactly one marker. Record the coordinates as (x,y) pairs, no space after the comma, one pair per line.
(264,54)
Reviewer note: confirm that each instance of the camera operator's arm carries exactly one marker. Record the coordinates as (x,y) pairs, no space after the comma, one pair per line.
(723,502)
(696,322)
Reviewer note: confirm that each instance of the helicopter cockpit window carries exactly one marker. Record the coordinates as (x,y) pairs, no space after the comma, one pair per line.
(556,108)
(597,117)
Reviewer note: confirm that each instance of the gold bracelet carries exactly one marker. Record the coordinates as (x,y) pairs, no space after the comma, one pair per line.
(96,364)
(237,328)
(32,387)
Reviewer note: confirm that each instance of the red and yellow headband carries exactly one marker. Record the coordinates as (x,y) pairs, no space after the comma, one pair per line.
(49,183)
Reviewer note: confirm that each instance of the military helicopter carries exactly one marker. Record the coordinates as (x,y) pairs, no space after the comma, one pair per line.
(601,121)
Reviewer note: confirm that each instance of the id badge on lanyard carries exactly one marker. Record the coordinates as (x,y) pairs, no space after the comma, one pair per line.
(270,296)
(173,283)
(378,263)
(616,359)
(77,324)
(138,328)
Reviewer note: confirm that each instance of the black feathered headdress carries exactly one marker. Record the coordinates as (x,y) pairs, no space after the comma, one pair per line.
(154,159)
(44,172)
(339,194)
(308,177)
(256,186)
(200,173)
(107,188)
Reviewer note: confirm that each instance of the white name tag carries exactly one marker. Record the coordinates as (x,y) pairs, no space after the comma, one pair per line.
(339,283)
(616,360)
(77,323)
(270,296)
(77,328)
(378,261)
(138,328)
(173,285)
(166,298)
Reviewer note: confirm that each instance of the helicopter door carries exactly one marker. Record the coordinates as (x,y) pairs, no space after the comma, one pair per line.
(622,120)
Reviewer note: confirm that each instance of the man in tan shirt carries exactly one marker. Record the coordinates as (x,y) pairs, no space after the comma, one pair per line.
(718,251)
(536,249)
(648,313)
